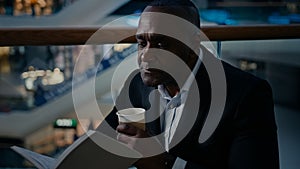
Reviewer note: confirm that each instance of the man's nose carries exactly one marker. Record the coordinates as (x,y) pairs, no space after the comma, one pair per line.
(147,54)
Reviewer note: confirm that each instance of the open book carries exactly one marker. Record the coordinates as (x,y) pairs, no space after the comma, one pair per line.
(84,153)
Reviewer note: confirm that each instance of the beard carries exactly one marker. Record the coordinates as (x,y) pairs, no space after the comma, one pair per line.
(155,77)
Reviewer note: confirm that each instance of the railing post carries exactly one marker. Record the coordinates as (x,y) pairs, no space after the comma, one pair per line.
(219,49)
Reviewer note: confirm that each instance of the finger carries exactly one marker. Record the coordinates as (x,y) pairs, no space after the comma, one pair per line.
(127,129)
(130,141)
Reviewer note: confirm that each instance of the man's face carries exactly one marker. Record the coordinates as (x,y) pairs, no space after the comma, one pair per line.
(153,49)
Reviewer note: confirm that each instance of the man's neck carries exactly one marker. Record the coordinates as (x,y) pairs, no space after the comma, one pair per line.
(173,90)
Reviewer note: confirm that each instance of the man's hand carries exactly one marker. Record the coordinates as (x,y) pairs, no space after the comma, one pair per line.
(141,141)
(130,134)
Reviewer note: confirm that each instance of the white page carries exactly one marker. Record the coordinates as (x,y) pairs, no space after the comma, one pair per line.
(38,160)
(85,153)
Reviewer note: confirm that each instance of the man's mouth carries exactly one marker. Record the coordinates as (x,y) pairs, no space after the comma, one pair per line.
(145,68)
(150,71)
(146,71)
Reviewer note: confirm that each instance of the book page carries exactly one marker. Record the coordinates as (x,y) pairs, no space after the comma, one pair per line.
(38,160)
(85,153)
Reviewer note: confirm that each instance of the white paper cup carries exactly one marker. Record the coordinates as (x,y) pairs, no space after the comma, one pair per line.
(134,116)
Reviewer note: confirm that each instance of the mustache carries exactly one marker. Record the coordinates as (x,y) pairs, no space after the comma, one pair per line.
(150,66)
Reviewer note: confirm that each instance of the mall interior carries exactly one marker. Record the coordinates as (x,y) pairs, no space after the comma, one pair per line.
(47,57)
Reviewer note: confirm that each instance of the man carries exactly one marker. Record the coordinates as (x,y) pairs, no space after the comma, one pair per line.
(192,126)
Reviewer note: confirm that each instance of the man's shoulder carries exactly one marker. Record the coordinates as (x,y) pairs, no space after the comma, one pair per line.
(234,74)
(240,83)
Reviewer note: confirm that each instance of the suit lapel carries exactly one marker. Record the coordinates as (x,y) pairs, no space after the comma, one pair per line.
(217,95)
(195,109)
(190,114)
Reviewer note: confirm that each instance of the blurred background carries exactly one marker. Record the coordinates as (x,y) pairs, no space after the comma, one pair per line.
(36,108)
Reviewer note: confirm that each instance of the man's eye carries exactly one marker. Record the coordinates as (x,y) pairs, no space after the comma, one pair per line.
(161,45)
(142,44)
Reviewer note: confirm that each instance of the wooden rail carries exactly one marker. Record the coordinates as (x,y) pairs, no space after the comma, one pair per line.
(254,4)
(80,35)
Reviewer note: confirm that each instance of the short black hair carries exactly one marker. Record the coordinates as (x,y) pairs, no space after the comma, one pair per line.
(184,3)
(172,3)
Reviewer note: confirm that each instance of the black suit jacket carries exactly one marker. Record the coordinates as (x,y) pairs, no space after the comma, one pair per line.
(245,137)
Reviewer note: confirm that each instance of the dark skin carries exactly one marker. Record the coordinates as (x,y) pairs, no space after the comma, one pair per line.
(154,77)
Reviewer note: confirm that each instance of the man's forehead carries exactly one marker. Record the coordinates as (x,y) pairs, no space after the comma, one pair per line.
(165,24)
(150,19)
(152,36)
(150,23)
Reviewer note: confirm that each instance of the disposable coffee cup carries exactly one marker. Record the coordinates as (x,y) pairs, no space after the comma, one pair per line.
(134,116)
